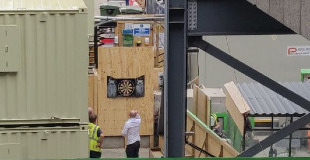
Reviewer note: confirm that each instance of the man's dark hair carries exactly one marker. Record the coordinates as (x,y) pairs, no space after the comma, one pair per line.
(92,118)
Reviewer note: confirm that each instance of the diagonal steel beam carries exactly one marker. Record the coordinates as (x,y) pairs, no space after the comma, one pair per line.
(266,81)
(250,72)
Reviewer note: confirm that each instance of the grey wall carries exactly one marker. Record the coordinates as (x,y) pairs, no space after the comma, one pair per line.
(293,13)
(266,53)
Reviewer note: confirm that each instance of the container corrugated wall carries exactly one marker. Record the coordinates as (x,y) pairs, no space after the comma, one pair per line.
(52,77)
(45,143)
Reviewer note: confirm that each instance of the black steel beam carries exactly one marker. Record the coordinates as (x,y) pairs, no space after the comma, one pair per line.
(234,17)
(175,77)
(266,81)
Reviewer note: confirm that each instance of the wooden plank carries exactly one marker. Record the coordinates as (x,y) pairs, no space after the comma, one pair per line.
(200,137)
(235,114)
(240,102)
(203,106)
(125,62)
(236,105)
(161,142)
(190,125)
(155,153)
(195,98)
(91,90)
(96,79)
(208,107)
(215,147)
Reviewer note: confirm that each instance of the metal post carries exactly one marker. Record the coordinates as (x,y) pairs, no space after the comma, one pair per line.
(175,77)
(290,141)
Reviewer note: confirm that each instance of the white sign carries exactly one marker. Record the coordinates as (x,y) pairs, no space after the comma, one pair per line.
(298,50)
(141,29)
(128,26)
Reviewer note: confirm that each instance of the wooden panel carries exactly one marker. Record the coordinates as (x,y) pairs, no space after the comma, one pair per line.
(236,105)
(200,137)
(121,26)
(240,102)
(161,142)
(195,97)
(93,91)
(235,114)
(125,62)
(156,28)
(203,106)
(155,153)
(216,145)
(190,125)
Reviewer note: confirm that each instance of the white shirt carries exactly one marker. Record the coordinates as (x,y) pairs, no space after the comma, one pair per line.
(131,130)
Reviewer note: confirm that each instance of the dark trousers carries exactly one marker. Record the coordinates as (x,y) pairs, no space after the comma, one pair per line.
(93,154)
(132,150)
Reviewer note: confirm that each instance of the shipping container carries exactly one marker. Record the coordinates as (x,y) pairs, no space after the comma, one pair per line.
(91,13)
(44,143)
(43,61)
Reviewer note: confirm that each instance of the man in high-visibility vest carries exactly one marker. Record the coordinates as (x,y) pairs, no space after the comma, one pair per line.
(95,137)
(215,125)
(214,121)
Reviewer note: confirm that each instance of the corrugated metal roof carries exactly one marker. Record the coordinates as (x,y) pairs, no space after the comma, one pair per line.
(38,5)
(264,101)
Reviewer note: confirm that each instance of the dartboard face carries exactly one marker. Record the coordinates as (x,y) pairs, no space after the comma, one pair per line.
(126,88)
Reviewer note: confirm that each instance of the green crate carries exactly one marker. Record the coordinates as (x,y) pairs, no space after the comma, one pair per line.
(110,9)
(131,10)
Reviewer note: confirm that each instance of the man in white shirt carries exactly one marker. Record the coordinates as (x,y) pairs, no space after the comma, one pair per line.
(131,132)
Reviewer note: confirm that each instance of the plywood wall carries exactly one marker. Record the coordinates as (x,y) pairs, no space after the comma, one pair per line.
(125,62)
(203,107)
(93,92)
(157,27)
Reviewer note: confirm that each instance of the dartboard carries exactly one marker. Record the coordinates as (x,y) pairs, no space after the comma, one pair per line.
(126,88)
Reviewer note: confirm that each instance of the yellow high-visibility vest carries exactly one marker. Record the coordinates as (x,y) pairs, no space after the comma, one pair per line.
(93,137)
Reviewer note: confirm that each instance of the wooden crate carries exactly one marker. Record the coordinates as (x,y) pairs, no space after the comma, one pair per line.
(125,62)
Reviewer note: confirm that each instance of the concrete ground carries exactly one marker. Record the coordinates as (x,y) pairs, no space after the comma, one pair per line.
(120,153)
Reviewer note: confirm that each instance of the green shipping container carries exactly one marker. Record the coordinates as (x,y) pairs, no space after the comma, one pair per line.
(43,78)
(110,9)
